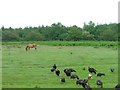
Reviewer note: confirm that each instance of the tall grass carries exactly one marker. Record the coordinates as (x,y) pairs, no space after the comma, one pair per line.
(68,43)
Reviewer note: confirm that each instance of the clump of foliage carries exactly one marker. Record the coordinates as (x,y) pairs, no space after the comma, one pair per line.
(57,31)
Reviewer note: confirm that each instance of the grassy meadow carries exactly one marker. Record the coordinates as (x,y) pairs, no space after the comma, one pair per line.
(30,69)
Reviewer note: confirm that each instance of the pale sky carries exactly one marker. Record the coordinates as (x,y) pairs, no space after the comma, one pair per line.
(22,13)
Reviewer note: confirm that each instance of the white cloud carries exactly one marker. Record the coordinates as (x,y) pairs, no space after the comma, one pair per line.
(21,13)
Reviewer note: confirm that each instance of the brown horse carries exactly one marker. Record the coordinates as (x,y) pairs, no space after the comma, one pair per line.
(31,46)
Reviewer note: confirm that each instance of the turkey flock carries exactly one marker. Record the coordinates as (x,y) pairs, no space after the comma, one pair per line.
(82,82)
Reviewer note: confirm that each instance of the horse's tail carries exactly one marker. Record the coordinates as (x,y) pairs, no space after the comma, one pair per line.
(26,48)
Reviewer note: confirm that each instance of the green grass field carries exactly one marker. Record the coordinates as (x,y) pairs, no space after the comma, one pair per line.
(28,69)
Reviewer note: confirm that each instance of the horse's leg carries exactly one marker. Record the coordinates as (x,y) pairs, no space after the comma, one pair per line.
(35,48)
(26,48)
(29,48)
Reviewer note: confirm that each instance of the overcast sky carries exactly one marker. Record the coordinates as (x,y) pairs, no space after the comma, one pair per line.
(22,13)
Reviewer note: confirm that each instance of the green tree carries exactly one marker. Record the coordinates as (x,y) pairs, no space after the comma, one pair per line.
(10,36)
(89,27)
(34,36)
(57,31)
(87,36)
(74,33)
(110,34)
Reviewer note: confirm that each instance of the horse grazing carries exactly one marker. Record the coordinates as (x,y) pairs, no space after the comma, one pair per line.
(31,46)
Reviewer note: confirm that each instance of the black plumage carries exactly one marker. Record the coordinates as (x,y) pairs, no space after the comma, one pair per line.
(79,82)
(100,74)
(67,72)
(117,87)
(84,83)
(57,72)
(87,87)
(92,70)
(62,79)
(74,76)
(54,66)
(112,69)
(69,69)
(99,83)
(52,69)
(72,70)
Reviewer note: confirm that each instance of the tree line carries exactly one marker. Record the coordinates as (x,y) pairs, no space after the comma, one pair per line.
(58,31)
